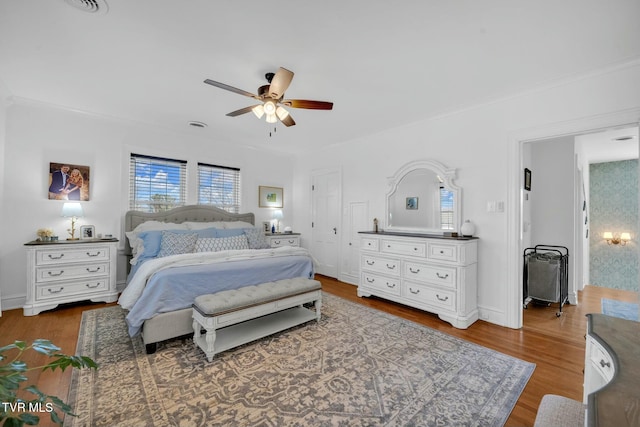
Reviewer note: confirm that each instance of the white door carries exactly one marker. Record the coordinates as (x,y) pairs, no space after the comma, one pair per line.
(358,220)
(325,229)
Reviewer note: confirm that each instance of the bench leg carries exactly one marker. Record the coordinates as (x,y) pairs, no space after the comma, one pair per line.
(211,339)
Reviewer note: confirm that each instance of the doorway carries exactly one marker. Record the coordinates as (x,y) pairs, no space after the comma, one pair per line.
(516,226)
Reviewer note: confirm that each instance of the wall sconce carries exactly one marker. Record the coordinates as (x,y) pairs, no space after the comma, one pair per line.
(616,239)
(72,210)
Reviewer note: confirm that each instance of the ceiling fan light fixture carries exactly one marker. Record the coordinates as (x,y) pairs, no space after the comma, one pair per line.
(281,113)
(269,108)
(271,118)
(258,110)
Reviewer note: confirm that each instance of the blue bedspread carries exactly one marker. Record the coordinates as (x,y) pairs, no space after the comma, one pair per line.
(176,288)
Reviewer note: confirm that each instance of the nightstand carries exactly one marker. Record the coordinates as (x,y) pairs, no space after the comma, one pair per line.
(284,239)
(68,271)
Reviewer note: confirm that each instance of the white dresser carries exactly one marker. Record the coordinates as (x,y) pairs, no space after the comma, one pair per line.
(284,239)
(68,271)
(434,274)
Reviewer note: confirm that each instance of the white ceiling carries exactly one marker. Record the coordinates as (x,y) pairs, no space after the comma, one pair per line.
(382,63)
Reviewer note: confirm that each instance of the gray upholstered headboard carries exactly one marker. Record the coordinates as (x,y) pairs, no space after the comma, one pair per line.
(195,213)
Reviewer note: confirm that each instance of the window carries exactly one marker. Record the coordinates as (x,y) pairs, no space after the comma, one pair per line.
(219,186)
(446,209)
(156,184)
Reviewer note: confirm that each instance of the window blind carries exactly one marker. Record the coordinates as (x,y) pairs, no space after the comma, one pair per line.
(156,183)
(219,186)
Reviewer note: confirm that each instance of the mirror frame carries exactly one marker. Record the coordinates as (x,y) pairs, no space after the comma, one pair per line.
(448,175)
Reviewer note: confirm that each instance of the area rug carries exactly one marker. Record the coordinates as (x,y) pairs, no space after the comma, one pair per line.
(356,367)
(624,310)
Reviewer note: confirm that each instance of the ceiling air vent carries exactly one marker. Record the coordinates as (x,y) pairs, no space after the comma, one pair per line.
(90,6)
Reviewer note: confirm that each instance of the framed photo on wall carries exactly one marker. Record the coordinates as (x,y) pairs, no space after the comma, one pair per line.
(270,197)
(68,182)
(412,203)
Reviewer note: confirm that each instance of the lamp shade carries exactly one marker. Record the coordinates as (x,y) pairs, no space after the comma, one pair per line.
(72,209)
(277,214)
(608,235)
(625,236)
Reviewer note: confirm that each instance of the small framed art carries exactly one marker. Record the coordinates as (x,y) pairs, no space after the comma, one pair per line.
(87,232)
(527,179)
(270,197)
(266,226)
(412,203)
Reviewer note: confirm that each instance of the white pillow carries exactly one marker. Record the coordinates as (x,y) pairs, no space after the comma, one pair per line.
(201,225)
(237,224)
(137,245)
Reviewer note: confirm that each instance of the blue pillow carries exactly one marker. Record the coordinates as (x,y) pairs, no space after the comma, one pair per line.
(152,240)
(228,232)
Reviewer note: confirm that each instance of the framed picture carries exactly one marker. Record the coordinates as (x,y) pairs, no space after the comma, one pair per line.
(87,232)
(266,226)
(270,197)
(412,203)
(68,182)
(527,179)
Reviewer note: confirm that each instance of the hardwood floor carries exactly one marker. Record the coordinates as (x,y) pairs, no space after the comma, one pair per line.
(555,345)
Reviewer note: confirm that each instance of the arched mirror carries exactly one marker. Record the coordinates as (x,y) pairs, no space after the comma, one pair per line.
(423,199)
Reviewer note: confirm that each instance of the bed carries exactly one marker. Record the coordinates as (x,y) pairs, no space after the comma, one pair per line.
(161,289)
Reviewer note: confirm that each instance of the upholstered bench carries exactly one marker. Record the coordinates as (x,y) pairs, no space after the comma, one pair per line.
(235,317)
(559,411)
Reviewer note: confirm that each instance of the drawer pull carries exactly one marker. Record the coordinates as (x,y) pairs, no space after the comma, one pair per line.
(415,249)
(90,286)
(370,280)
(442,252)
(416,292)
(442,299)
(603,363)
(51,291)
(89,254)
(94,270)
(370,262)
(292,242)
(55,257)
(277,242)
(391,285)
(391,267)
(442,277)
(416,271)
(55,274)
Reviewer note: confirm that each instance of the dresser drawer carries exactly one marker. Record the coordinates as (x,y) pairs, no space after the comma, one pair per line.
(381,265)
(426,295)
(277,242)
(428,273)
(369,244)
(71,271)
(601,360)
(400,247)
(64,255)
(57,290)
(443,252)
(389,285)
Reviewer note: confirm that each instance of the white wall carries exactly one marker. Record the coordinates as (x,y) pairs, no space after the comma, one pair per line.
(552,197)
(4,102)
(476,142)
(38,134)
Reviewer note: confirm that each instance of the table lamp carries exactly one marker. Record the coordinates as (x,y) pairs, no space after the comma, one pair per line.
(72,210)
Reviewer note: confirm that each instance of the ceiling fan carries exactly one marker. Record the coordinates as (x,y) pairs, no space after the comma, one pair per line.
(271,99)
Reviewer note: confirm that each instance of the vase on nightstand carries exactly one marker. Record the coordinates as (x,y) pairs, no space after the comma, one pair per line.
(467,229)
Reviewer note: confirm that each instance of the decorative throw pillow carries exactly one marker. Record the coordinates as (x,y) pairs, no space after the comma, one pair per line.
(174,243)
(216,244)
(256,238)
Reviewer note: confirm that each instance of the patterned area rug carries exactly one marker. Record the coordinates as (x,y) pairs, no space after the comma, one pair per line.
(356,367)
(624,310)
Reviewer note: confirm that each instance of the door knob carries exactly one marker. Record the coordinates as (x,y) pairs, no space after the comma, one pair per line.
(335,230)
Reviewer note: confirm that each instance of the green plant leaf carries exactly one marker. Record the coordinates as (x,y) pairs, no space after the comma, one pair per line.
(45,347)
(29,419)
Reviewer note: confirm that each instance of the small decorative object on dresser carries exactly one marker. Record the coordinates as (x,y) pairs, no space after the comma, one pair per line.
(88,232)
(69,271)
(467,229)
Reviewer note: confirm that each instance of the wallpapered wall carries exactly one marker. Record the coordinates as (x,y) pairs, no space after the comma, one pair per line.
(613,195)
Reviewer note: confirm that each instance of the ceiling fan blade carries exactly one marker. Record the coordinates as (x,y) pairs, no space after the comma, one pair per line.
(280,82)
(241,111)
(310,105)
(230,88)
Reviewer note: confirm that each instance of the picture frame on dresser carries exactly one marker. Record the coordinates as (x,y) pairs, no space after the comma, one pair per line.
(87,232)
